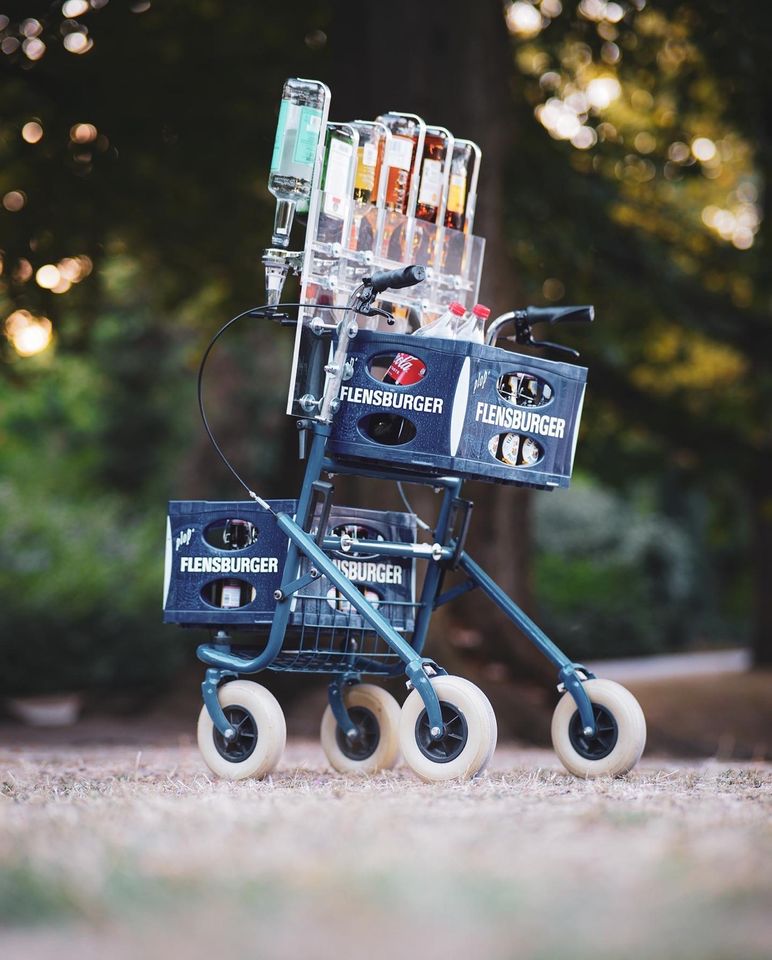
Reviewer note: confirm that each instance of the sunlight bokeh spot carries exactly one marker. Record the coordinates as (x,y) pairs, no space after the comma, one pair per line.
(27,334)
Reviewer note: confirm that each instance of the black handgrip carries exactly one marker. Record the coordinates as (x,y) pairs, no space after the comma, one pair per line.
(395,279)
(560,314)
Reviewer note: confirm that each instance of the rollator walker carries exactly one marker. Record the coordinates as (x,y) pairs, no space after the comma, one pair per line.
(311,586)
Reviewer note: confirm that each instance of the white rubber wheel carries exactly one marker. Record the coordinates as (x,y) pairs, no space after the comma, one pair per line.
(470,735)
(621,733)
(494,737)
(376,713)
(261,732)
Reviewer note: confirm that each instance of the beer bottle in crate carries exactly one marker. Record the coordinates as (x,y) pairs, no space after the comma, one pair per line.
(237,534)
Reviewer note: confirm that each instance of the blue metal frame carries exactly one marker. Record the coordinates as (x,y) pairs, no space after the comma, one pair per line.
(223,663)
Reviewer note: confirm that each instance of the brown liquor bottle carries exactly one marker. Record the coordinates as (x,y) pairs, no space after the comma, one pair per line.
(407,134)
(431,184)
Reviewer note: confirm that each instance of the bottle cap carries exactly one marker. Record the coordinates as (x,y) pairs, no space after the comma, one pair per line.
(457,308)
(481,311)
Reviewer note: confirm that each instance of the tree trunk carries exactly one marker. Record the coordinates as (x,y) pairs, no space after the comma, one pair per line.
(452,64)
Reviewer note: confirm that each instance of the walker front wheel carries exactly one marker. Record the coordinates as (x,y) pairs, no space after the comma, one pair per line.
(620,732)
(261,732)
(470,732)
(376,746)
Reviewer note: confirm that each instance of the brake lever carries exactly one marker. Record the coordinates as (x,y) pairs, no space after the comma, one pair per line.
(545,343)
(364,305)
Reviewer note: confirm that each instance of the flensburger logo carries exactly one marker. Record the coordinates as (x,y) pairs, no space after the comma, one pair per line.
(392,400)
(526,420)
(359,570)
(229,564)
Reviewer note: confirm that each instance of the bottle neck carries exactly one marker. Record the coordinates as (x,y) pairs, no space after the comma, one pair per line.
(282,223)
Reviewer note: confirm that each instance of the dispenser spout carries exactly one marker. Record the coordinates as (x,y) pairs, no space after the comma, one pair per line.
(278,264)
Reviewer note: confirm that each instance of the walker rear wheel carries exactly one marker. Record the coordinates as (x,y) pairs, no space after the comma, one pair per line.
(470,732)
(620,734)
(261,733)
(376,746)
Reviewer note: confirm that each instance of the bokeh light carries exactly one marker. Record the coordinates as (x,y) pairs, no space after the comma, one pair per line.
(27,334)
(83,133)
(523,19)
(47,276)
(33,48)
(703,149)
(31,27)
(75,8)
(77,42)
(602,91)
(32,132)
(14,200)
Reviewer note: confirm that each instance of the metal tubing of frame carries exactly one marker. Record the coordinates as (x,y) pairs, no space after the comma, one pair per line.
(225,660)
(538,637)
(412,660)
(534,633)
(419,551)
(434,571)
(399,476)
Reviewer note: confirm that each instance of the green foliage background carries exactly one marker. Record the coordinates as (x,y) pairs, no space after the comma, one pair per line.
(652,549)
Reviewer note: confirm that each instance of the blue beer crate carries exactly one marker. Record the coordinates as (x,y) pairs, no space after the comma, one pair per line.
(387,582)
(474,411)
(213,580)
(200,563)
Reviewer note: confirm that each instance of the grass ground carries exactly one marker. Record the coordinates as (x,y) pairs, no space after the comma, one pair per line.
(112,851)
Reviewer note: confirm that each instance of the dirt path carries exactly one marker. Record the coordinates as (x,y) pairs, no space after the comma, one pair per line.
(108,852)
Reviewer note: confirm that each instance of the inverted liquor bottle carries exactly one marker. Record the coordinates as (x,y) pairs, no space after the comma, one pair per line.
(401,169)
(459,210)
(302,114)
(438,147)
(407,139)
(462,188)
(369,184)
(432,194)
(337,181)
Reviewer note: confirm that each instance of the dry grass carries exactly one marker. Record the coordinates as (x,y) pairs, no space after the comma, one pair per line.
(107,852)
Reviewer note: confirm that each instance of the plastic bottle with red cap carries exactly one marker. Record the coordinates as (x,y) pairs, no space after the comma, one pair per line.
(473,327)
(445,325)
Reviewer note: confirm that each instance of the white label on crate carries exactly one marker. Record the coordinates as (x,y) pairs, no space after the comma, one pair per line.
(400,153)
(526,420)
(229,564)
(167,561)
(369,155)
(392,399)
(458,414)
(576,430)
(370,572)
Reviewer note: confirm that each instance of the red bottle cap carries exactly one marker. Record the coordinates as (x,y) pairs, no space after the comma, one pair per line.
(458,308)
(481,311)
